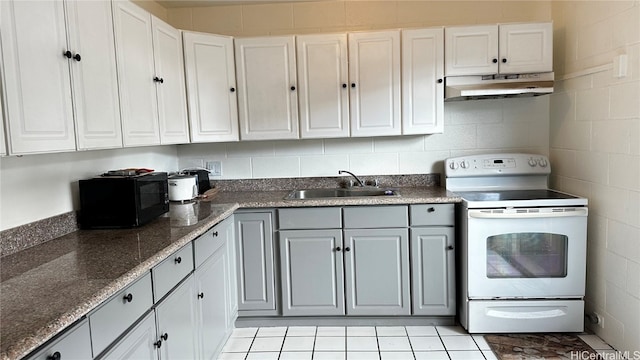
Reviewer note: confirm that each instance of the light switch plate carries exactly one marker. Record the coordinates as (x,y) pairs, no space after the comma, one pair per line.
(214,167)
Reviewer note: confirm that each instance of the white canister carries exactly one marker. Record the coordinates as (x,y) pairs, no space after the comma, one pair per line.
(182,187)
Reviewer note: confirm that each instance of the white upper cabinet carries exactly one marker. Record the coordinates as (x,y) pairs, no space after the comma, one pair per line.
(323,90)
(134,50)
(267,94)
(150,78)
(36,79)
(94,76)
(422,81)
(526,48)
(374,73)
(503,49)
(171,91)
(211,87)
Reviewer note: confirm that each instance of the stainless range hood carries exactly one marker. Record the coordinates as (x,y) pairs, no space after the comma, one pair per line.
(497,86)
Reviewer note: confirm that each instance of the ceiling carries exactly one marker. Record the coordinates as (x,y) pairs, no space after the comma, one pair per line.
(198,3)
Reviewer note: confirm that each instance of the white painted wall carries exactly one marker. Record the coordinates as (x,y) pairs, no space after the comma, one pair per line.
(34,187)
(470,127)
(595,146)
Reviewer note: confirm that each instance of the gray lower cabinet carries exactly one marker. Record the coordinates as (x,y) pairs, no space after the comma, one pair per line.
(376,265)
(140,343)
(74,344)
(255,256)
(311,270)
(175,320)
(433,270)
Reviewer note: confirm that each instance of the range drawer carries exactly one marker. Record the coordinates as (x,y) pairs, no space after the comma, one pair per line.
(310,218)
(207,243)
(74,343)
(119,312)
(369,217)
(171,271)
(432,214)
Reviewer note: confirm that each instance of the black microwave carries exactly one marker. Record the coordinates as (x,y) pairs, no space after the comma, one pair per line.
(114,202)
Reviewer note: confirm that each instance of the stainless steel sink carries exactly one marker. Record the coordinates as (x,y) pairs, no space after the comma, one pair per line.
(339,192)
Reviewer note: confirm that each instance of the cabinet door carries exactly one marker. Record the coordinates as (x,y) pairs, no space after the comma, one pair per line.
(175,319)
(322,80)
(256,283)
(211,307)
(433,271)
(377,271)
(171,92)
(267,95)
(526,48)
(36,79)
(74,343)
(211,87)
(422,81)
(94,74)
(374,73)
(139,343)
(471,50)
(311,270)
(134,54)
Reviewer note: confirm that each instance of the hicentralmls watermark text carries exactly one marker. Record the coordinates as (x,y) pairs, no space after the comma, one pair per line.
(616,355)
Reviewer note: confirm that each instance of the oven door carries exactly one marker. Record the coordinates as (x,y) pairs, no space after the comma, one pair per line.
(526,252)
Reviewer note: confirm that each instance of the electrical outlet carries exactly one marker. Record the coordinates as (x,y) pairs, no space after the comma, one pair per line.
(214,167)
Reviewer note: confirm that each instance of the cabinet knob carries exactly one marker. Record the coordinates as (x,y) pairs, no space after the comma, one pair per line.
(164,337)
(128,298)
(157,79)
(158,344)
(293,88)
(450,247)
(178,260)
(504,61)
(232,89)
(347,249)
(495,61)
(67,54)
(440,81)
(201,296)
(431,209)
(55,356)
(214,234)
(338,248)
(344,86)
(353,85)
(77,57)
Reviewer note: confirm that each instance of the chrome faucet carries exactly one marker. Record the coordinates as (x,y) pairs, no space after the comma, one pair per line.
(358,181)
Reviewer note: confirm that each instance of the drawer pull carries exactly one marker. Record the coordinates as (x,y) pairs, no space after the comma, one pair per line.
(178,260)
(158,344)
(201,296)
(164,337)
(55,356)
(431,209)
(215,233)
(128,298)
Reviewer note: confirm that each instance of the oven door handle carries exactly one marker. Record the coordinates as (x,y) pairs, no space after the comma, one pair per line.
(489,214)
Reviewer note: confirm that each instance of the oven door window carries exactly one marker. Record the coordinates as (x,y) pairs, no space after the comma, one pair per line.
(527,255)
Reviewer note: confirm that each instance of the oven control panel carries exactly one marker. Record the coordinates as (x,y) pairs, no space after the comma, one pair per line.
(494,164)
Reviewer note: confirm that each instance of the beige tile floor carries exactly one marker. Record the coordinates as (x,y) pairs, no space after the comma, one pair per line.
(364,342)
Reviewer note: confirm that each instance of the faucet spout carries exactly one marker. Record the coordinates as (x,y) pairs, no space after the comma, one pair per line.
(358,181)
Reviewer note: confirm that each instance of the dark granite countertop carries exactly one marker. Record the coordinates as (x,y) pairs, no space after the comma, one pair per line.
(48,287)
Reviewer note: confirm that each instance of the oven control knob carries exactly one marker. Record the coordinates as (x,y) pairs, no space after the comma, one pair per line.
(453,165)
(464,164)
(532,162)
(542,162)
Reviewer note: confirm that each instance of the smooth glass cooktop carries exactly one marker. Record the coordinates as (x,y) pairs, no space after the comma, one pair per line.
(504,195)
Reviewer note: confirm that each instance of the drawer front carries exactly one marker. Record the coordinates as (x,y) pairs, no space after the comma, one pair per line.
(118,313)
(171,271)
(369,217)
(74,343)
(310,218)
(432,214)
(212,240)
